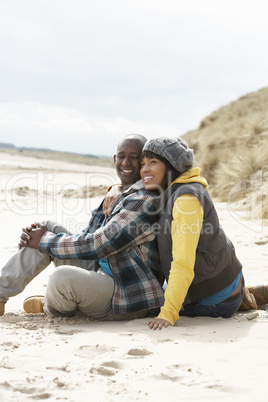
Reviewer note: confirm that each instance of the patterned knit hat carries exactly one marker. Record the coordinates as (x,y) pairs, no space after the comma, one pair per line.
(174,150)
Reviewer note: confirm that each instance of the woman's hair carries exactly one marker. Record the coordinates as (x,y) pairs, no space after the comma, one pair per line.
(171,173)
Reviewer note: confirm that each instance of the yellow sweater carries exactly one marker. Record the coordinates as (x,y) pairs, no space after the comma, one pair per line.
(187,219)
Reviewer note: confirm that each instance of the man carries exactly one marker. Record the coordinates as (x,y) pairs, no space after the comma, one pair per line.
(109,271)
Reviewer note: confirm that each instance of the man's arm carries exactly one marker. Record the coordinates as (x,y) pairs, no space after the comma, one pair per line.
(31,235)
(131,226)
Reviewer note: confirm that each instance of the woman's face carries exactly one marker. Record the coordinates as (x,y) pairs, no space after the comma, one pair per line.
(152,173)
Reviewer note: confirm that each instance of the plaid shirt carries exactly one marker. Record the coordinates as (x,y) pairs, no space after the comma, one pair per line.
(128,241)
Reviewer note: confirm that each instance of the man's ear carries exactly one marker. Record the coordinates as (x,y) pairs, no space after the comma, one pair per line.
(114,159)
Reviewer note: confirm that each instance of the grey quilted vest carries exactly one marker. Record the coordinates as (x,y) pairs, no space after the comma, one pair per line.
(216,264)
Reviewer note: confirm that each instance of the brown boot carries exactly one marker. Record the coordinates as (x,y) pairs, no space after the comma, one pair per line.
(260,293)
(248,302)
(2,308)
(34,304)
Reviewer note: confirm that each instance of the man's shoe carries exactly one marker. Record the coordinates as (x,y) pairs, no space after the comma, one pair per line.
(34,304)
(2,308)
(260,293)
(248,301)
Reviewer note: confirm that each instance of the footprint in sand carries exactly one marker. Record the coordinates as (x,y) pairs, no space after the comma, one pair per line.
(107,369)
(127,334)
(89,351)
(261,242)
(165,376)
(33,392)
(228,389)
(6,364)
(5,384)
(112,364)
(139,352)
(175,372)
(9,345)
(102,371)
(66,332)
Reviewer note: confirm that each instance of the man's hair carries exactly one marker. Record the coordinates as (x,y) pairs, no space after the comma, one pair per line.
(136,137)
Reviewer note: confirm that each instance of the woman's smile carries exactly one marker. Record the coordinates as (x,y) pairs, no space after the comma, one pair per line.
(146,179)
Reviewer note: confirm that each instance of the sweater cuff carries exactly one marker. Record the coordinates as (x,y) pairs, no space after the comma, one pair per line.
(112,185)
(168,315)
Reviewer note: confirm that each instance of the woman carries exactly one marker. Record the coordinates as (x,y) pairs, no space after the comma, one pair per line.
(203,273)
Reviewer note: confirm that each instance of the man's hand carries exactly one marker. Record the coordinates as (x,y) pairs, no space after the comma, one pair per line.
(157,323)
(110,199)
(32,235)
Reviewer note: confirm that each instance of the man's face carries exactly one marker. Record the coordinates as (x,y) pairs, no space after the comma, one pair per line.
(127,161)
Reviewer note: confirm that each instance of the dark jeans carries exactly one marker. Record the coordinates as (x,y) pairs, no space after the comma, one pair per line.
(224,309)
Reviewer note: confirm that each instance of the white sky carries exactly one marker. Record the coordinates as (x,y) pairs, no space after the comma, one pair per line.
(78,75)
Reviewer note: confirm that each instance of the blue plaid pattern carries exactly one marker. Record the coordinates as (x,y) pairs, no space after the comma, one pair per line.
(129,242)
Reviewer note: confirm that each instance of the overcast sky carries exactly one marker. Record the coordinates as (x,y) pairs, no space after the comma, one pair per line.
(79,75)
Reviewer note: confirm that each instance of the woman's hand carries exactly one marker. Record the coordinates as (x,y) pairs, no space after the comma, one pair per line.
(111,198)
(157,323)
(32,235)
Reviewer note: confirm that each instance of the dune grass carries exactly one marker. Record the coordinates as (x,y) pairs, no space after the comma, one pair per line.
(231,147)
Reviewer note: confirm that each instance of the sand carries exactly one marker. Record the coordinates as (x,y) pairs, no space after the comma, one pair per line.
(78,359)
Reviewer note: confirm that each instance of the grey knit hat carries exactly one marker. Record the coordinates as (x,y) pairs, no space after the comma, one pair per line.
(174,150)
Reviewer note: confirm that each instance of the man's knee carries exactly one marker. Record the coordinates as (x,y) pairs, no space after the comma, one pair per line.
(50,225)
(61,276)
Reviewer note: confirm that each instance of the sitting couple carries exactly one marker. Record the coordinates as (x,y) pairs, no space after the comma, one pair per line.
(112,270)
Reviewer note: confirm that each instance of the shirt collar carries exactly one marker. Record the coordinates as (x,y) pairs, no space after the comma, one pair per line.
(136,186)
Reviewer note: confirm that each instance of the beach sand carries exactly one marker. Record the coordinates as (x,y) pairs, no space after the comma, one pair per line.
(78,359)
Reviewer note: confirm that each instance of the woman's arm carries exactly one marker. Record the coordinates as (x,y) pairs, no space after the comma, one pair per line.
(111,198)
(186,226)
